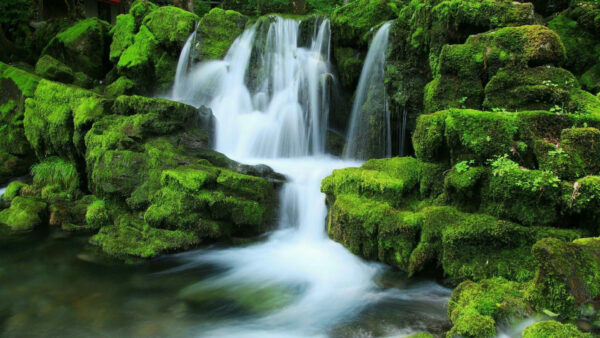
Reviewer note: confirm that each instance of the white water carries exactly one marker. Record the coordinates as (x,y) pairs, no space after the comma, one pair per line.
(370,133)
(2,191)
(315,284)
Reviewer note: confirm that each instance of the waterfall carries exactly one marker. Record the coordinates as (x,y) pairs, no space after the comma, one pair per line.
(285,112)
(369,134)
(183,65)
(270,98)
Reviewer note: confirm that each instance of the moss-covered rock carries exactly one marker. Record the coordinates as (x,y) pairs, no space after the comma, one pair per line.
(475,308)
(13,190)
(52,69)
(582,47)
(16,155)
(123,34)
(171,26)
(582,202)
(25,213)
(553,329)
(590,80)
(84,47)
(583,146)
(499,61)
(55,179)
(351,24)
(568,275)
(122,86)
(97,214)
(130,238)
(527,196)
(57,118)
(217,31)
(383,211)
(137,61)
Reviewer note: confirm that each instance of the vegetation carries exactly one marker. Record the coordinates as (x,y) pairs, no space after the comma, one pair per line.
(499,194)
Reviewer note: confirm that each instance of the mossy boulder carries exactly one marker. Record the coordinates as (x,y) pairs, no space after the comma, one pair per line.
(25,213)
(392,210)
(56,179)
(16,154)
(582,47)
(583,145)
(217,31)
(13,190)
(476,308)
(171,26)
(52,69)
(151,159)
(84,47)
(568,275)
(553,329)
(130,237)
(146,45)
(590,80)
(123,34)
(137,61)
(498,70)
(352,23)
(57,118)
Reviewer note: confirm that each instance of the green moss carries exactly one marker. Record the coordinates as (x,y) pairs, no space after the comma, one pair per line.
(463,186)
(122,35)
(568,275)
(475,135)
(352,22)
(590,80)
(475,308)
(530,197)
(349,65)
(533,88)
(84,47)
(122,86)
(13,190)
(56,178)
(52,69)
(582,202)
(387,180)
(130,237)
(553,329)
(217,31)
(428,138)
(136,62)
(24,214)
(97,214)
(49,119)
(583,146)
(164,71)
(581,46)
(171,26)
(139,9)
(551,157)
(420,335)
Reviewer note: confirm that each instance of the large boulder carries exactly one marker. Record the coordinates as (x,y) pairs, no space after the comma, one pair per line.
(84,47)
(16,154)
(146,46)
(217,31)
(568,275)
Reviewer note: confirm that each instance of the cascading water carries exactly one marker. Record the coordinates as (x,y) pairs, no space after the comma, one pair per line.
(305,283)
(369,134)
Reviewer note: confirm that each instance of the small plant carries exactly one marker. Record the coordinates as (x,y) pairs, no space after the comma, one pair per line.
(502,165)
(557,109)
(499,110)
(463,166)
(463,101)
(549,83)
